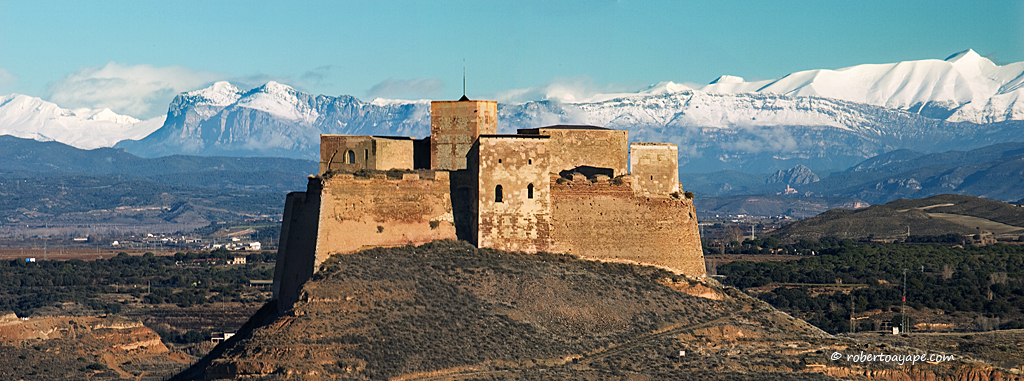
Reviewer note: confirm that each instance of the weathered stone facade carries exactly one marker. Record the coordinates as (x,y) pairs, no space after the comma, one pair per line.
(454,127)
(561,189)
(588,150)
(351,153)
(514,201)
(378,211)
(611,221)
(656,166)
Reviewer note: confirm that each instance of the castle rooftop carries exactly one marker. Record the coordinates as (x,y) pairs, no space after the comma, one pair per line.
(536,130)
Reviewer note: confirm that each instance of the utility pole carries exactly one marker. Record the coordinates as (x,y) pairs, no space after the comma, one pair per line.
(853,305)
(903,308)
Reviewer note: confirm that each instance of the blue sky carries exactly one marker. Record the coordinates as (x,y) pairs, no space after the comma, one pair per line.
(134,56)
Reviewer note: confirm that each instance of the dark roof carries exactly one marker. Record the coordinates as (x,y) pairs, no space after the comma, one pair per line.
(560,127)
(515,136)
(464,98)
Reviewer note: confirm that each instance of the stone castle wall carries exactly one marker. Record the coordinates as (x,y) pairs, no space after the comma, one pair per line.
(517,219)
(587,149)
(362,213)
(351,153)
(604,221)
(297,246)
(454,127)
(505,192)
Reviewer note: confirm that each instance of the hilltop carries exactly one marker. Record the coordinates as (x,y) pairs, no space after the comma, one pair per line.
(447,310)
(933,216)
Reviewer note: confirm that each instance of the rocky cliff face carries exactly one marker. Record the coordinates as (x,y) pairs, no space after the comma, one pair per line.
(272,120)
(798,175)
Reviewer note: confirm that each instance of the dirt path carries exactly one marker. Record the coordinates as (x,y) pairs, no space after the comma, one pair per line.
(112,363)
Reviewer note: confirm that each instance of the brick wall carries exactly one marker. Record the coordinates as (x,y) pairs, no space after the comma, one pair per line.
(334,152)
(392,153)
(297,248)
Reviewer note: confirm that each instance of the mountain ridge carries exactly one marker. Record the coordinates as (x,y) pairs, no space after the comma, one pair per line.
(818,118)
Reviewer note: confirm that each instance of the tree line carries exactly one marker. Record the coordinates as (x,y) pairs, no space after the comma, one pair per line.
(985,280)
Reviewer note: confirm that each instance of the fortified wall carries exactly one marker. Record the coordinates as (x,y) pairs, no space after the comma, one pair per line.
(514,202)
(605,219)
(580,190)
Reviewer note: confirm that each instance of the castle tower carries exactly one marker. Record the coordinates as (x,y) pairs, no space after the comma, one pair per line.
(656,167)
(455,126)
(513,192)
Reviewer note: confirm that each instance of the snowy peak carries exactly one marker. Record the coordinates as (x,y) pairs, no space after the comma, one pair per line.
(280,100)
(272,87)
(963,87)
(29,117)
(666,88)
(968,55)
(106,115)
(273,119)
(728,79)
(220,94)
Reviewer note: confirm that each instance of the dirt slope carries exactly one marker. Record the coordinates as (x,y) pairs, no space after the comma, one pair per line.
(78,348)
(449,311)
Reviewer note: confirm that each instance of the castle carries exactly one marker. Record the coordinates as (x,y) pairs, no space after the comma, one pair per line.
(580,190)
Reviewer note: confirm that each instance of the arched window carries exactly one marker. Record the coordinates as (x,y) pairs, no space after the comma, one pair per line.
(351,157)
(529,191)
(497,193)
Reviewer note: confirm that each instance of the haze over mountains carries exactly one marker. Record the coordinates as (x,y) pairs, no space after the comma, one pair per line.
(823,119)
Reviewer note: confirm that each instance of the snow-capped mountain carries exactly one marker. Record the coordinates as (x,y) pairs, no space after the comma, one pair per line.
(273,120)
(965,87)
(33,118)
(763,132)
(820,118)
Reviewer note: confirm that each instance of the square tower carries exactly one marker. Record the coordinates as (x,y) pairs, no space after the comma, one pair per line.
(656,166)
(513,192)
(455,126)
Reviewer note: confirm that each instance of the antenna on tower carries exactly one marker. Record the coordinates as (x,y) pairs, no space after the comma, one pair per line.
(464,97)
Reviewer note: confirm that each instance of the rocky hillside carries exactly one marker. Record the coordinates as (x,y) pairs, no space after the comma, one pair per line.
(448,311)
(933,216)
(81,348)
